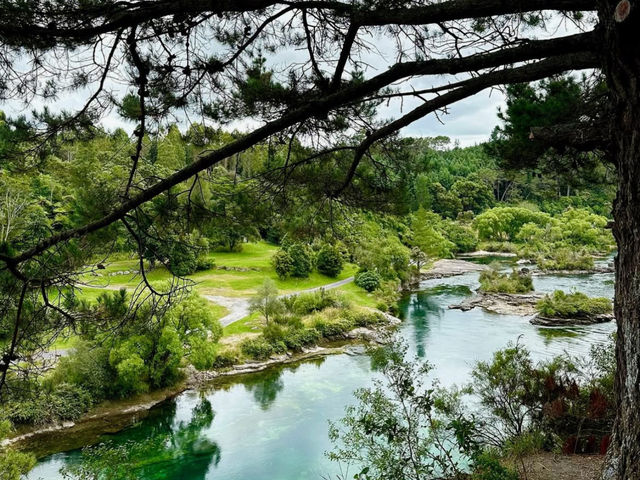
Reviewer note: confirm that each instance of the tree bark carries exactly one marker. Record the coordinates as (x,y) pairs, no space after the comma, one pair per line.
(622,68)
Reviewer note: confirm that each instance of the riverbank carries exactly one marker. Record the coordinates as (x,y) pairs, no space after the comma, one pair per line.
(115,415)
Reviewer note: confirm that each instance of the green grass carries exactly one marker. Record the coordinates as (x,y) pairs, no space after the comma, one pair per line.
(65,341)
(251,324)
(224,282)
(357,295)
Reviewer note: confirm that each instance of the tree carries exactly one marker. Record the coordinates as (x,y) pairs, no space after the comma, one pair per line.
(282,263)
(162,50)
(419,258)
(474,196)
(266,300)
(427,237)
(329,261)
(301,259)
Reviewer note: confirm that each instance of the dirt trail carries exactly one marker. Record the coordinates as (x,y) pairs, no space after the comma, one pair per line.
(239,306)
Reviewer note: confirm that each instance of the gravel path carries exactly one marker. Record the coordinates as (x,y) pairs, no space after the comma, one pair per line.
(239,306)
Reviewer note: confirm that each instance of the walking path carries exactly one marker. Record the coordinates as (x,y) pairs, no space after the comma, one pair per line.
(239,306)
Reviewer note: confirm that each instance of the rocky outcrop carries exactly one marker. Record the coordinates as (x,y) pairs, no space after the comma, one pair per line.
(451,267)
(525,304)
(485,253)
(502,303)
(594,270)
(567,322)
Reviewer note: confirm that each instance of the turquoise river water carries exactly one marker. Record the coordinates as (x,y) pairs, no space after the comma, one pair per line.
(273,425)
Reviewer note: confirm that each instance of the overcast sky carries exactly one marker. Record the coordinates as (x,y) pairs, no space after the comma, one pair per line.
(468,122)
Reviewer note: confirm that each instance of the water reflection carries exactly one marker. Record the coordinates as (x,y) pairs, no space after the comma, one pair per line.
(165,448)
(265,387)
(273,424)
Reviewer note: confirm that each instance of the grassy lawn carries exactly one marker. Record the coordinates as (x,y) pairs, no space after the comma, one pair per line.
(251,324)
(357,295)
(227,283)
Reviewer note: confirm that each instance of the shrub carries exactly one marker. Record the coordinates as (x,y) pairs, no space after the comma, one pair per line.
(366,318)
(182,259)
(65,402)
(565,259)
(258,348)
(68,401)
(388,295)
(202,354)
(531,405)
(302,259)
(332,327)
(504,223)
(492,281)
(87,366)
(368,280)
(487,466)
(204,262)
(282,263)
(13,465)
(225,359)
(296,339)
(329,261)
(306,303)
(572,305)
(462,236)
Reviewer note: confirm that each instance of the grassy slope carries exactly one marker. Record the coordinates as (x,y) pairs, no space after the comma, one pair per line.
(227,283)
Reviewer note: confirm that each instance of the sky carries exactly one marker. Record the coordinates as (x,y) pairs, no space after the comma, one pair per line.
(466,123)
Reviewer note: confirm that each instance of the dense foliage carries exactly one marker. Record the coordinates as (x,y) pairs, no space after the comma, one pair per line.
(573,305)
(492,281)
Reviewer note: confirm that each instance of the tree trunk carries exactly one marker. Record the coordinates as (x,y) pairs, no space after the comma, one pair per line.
(621,28)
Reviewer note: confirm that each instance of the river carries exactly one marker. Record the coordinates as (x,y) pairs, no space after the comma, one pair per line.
(273,425)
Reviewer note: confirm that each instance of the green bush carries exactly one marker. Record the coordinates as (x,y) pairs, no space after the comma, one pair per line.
(182,259)
(257,348)
(306,303)
(282,263)
(204,263)
(487,466)
(64,402)
(462,236)
(333,327)
(492,281)
(13,465)
(296,339)
(504,223)
(202,354)
(565,259)
(224,359)
(367,280)
(86,366)
(366,318)
(329,261)
(388,294)
(573,305)
(302,258)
